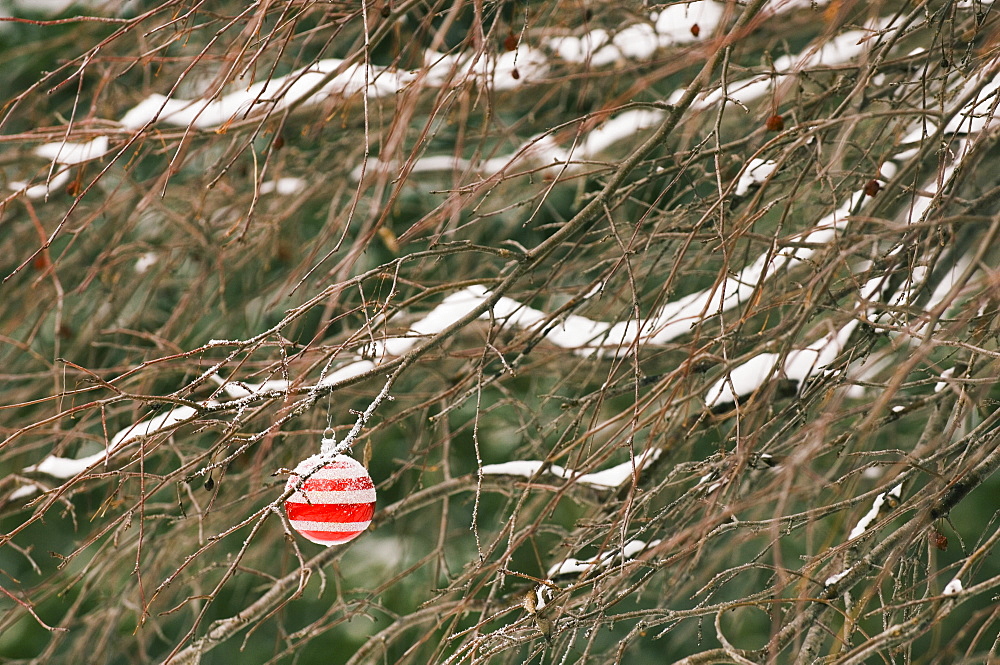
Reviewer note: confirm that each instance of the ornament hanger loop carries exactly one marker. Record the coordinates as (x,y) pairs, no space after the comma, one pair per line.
(328,442)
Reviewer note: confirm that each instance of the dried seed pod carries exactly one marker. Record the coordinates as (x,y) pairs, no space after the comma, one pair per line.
(510,43)
(872,187)
(695,30)
(939,539)
(515,74)
(775,123)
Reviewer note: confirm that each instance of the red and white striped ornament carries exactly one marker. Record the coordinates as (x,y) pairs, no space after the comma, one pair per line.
(335,504)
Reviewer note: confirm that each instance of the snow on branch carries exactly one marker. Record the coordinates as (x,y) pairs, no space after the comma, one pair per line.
(542,150)
(674,25)
(57,181)
(73,153)
(884,501)
(756,172)
(837,50)
(64,467)
(306,86)
(953,587)
(669,27)
(575,332)
(573,566)
(585,336)
(798,366)
(309,85)
(611,478)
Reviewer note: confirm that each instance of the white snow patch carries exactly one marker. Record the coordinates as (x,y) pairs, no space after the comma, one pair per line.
(571,566)
(495,70)
(146,261)
(523,468)
(240,389)
(283,186)
(35,192)
(146,427)
(63,152)
(617,128)
(947,374)
(346,372)
(672,320)
(743,380)
(23,491)
(757,171)
(838,50)
(543,595)
(798,366)
(539,150)
(833,579)
(62,467)
(640,41)
(308,85)
(618,475)
(607,479)
(866,521)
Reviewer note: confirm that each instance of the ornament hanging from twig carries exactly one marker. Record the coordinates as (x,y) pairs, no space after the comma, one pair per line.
(334,504)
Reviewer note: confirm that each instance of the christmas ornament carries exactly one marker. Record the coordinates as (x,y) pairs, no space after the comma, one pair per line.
(335,504)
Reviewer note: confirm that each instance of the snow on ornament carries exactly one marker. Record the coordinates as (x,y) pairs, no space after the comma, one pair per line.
(335,504)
